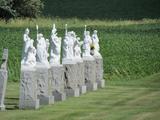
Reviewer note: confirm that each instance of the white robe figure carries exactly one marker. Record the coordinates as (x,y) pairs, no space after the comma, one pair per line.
(31,56)
(77,48)
(27,43)
(95,41)
(68,46)
(42,53)
(86,44)
(55,47)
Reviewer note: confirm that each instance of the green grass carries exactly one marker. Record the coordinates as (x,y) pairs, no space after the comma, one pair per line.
(130,49)
(120,100)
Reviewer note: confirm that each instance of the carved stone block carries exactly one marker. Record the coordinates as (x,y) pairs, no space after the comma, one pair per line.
(70,78)
(28,89)
(3,84)
(80,77)
(99,71)
(43,77)
(57,82)
(90,73)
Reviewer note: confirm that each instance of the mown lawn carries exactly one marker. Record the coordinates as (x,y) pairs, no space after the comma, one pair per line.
(120,100)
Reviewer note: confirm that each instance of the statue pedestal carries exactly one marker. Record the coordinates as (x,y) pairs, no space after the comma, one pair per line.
(80,76)
(89,73)
(28,89)
(3,84)
(57,82)
(43,77)
(99,71)
(70,78)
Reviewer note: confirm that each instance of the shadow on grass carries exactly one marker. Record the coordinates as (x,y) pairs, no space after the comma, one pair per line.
(11,103)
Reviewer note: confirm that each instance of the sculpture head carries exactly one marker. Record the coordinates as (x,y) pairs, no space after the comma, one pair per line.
(40,35)
(27,31)
(87,33)
(95,31)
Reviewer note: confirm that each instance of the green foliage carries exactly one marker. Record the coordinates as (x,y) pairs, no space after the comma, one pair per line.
(103,9)
(22,8)
(6,8)
(28,8)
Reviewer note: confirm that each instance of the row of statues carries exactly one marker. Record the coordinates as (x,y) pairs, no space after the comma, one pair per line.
(71,47)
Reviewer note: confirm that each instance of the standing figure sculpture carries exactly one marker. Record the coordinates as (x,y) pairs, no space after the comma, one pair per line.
(95,41)
(87,43)
(77,48)
(28,56)
(55,47)
(68,45)
(42,53)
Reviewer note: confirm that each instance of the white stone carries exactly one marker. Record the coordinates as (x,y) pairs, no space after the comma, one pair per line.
(99,71)
(3,78)
(70,78)
(29,51)
(28,89)
(95,41)
(43,78)
(87,44)
(57,82)
(42,53)
(55,47)
(90,73)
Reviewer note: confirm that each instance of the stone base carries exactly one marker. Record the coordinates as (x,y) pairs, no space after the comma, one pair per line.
(89,69)
(70,74)
(72,92)
(2,107)
(101,84)
(46,100)
(83,89)
(27,104)
(91,86)
(28,89)
(59,96)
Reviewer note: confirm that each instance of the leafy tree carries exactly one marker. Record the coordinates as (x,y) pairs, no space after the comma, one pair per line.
(28,8)
(22,8)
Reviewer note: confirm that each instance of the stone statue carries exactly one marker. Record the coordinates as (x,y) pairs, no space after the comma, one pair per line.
(42,53)
(55,47)
(31,57)
(77,48)
(87,43)
(95,41)
(29,51)
(68,45)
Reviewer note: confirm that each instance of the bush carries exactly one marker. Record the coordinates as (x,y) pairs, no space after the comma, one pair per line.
(28,8)
(22,8)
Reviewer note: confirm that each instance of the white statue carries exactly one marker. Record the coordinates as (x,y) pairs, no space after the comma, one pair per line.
(55,47)
(87,43)
(68,45)
(31,56)
(42,53)
(95,41)
(27,50)
(77,48)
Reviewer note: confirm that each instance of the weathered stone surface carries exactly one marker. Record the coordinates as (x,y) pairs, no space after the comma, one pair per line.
(90,73)
(28,89)
(70,79)
(72,92)
(3,84)
(43,77)
(80,77)
(99,71)
(57,82)
(3,78)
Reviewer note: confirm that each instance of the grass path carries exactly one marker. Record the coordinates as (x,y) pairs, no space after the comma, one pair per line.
(115,102)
